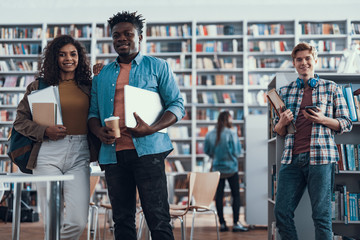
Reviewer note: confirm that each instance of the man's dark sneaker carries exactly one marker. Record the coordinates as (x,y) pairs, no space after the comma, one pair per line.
(238,227)
(223,227)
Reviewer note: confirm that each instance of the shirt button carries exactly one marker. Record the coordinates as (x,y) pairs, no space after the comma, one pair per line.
(111,100)
(113,84)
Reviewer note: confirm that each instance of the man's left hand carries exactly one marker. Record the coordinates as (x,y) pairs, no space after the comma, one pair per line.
(141,129)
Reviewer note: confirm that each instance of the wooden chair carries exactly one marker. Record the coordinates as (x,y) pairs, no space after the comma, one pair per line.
(108,218)
(203,195)
(93,224)
(179,212)
(201,191)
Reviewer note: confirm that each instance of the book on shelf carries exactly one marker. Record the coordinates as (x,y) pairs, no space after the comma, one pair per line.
(278,105)
(346,204)
(349,157)
(340,163)
(226,97)
(181,148)
(273,182)
(349,97)
(7,115)
(202,131)
(200,147)
(179,166)
(168,166)
(10,81)
(357,104)
(179,132)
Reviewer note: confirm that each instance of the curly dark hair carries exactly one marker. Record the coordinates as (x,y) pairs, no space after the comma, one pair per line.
(125,16)
(49,66)
(223,121)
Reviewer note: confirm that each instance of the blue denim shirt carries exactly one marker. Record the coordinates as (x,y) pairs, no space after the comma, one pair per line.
(226,152)
(147,73)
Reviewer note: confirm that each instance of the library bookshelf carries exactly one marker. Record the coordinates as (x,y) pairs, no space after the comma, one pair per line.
(342,225)
(218,65)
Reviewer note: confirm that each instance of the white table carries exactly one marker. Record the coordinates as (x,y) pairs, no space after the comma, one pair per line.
(53,200)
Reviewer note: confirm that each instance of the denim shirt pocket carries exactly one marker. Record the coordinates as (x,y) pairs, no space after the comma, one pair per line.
(147,81)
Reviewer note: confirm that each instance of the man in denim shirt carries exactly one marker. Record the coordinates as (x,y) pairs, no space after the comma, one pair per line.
(309,153)
(136,159)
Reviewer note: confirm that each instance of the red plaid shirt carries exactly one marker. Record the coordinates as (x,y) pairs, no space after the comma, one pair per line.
(328,96)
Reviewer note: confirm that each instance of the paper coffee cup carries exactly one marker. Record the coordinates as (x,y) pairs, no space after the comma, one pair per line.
(113,123)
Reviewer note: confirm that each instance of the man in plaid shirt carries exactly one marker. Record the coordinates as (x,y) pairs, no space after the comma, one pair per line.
(310,153)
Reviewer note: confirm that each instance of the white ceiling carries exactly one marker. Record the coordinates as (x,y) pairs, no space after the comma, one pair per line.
(20,11)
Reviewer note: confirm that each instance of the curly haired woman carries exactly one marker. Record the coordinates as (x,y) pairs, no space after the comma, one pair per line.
(62,149)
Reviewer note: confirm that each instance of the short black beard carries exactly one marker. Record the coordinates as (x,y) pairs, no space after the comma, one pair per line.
(124,54)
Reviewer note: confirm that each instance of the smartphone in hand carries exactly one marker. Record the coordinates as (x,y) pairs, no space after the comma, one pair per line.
(314,108)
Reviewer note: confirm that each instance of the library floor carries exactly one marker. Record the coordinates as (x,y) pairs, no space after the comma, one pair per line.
(204,229)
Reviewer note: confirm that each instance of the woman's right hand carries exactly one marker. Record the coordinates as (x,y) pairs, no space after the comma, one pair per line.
(55,132)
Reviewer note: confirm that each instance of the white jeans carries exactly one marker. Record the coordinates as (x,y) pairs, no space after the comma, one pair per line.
(63,157)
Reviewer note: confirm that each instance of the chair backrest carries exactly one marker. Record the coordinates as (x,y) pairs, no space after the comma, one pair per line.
(93,181)
(205,188)
(191,178)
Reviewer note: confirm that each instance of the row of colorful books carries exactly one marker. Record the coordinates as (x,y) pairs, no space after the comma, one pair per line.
(7,115)
(166,47)
(213,30)
(260,62)
(18,65)
(169,31)
(216,62)
(218,46)
(268,46)
(179,63)
(3,149)
(345,205)
(11,99)
(349,157)
(5,166)
(320,28)
(266,29)
(216,79)
(5,131)
(20,32)
(185,80)
(77,31)
(181,148)
(211,114)
(209,97)
(353,101)
(16,81)
(8,49)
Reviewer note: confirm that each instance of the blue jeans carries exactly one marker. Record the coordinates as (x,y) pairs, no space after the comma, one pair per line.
(147,173)
(292,181)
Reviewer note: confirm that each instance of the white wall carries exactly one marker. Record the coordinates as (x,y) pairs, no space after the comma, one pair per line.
(69,11)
